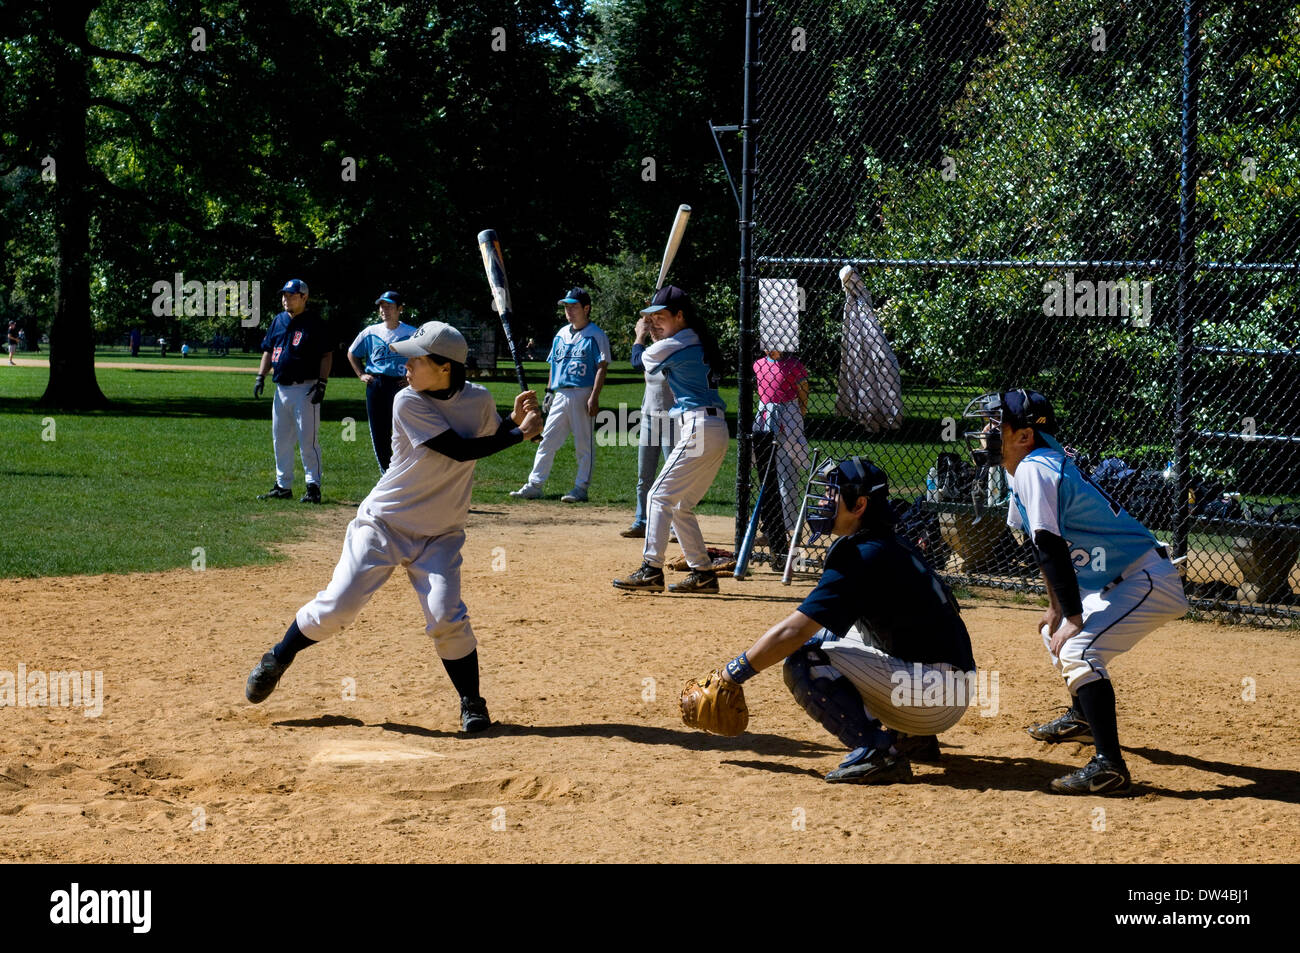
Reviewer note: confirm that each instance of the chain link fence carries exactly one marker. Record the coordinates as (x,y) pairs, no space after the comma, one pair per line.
(1095,200)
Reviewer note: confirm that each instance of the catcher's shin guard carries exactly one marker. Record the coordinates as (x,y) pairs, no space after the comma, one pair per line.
(832,702)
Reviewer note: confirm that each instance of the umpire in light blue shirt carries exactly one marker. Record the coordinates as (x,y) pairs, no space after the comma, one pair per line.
(382,370)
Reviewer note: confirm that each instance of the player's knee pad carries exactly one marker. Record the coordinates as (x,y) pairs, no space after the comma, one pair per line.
(833,702)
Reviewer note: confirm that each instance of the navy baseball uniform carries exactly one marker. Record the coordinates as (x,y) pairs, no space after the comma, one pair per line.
(296,345)
(877,653)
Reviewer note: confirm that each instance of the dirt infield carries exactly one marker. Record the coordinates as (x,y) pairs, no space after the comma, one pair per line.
(584,766)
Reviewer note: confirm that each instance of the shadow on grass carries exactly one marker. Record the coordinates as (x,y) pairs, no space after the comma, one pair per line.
(229,408)
(43,474)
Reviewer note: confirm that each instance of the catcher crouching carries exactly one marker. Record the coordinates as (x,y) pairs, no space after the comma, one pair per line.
(877,654)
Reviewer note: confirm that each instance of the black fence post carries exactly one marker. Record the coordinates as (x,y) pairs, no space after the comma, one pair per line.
(745,396)
(1186,319)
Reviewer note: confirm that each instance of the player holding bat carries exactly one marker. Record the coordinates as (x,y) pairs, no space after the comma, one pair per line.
(414,518)
(686,353)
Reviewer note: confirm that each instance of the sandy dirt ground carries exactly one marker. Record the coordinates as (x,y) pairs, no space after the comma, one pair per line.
(182,365)
(590,761)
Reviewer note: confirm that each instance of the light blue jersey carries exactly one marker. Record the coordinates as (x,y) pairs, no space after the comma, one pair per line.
(680,359)
(1048,492)
(372,346)
(577,355)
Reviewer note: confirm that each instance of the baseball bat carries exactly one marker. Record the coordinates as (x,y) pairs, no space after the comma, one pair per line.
(747,544)
(674,242)
(798,529)
(495,267)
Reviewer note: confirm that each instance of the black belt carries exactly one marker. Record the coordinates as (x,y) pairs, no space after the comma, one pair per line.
(711,411)
(1160,551)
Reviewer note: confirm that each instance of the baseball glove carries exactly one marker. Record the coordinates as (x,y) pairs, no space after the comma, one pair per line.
(318,391)
(715,705)
(724,561)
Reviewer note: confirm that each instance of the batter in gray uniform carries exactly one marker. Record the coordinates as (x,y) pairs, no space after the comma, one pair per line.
(415,516)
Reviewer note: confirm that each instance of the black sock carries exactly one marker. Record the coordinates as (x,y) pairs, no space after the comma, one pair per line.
(1098,702)
(464,674)
(292,643)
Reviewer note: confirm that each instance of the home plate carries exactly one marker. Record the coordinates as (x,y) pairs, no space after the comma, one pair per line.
(369,752)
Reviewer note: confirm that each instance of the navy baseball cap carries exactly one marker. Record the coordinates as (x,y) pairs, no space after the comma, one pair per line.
(575,296)
(1027,408)
(670,297)
(294,286)
(390,296)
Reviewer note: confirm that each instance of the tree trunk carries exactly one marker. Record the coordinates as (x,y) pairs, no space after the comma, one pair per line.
(72,384)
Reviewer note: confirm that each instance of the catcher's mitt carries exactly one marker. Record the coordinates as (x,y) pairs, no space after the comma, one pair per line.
(715,705)
(724,561)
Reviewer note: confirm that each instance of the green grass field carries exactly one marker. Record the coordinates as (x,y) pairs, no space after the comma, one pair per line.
(178,460)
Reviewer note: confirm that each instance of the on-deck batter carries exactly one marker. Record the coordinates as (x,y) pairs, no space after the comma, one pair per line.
(688,357)
(415,515)
(1110,582)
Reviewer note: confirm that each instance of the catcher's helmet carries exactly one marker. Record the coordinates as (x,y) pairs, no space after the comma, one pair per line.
(853,478)
(1018,408)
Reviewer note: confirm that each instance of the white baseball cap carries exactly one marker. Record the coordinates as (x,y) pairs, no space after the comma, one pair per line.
(434,337)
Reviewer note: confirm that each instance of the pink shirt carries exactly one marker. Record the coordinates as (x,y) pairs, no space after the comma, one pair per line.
(778,381)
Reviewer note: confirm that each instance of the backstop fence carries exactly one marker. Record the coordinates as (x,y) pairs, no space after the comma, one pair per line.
(1096,200)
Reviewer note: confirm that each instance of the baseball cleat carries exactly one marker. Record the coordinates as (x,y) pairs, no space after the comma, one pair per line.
(871,766)
(312,495)
(528,491)
(263,679)
(922,748)
(1098,776)
(576,495)
(646,579)
(474,715)
(699,580)
(634,532)
(276,492)
(1070,726)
